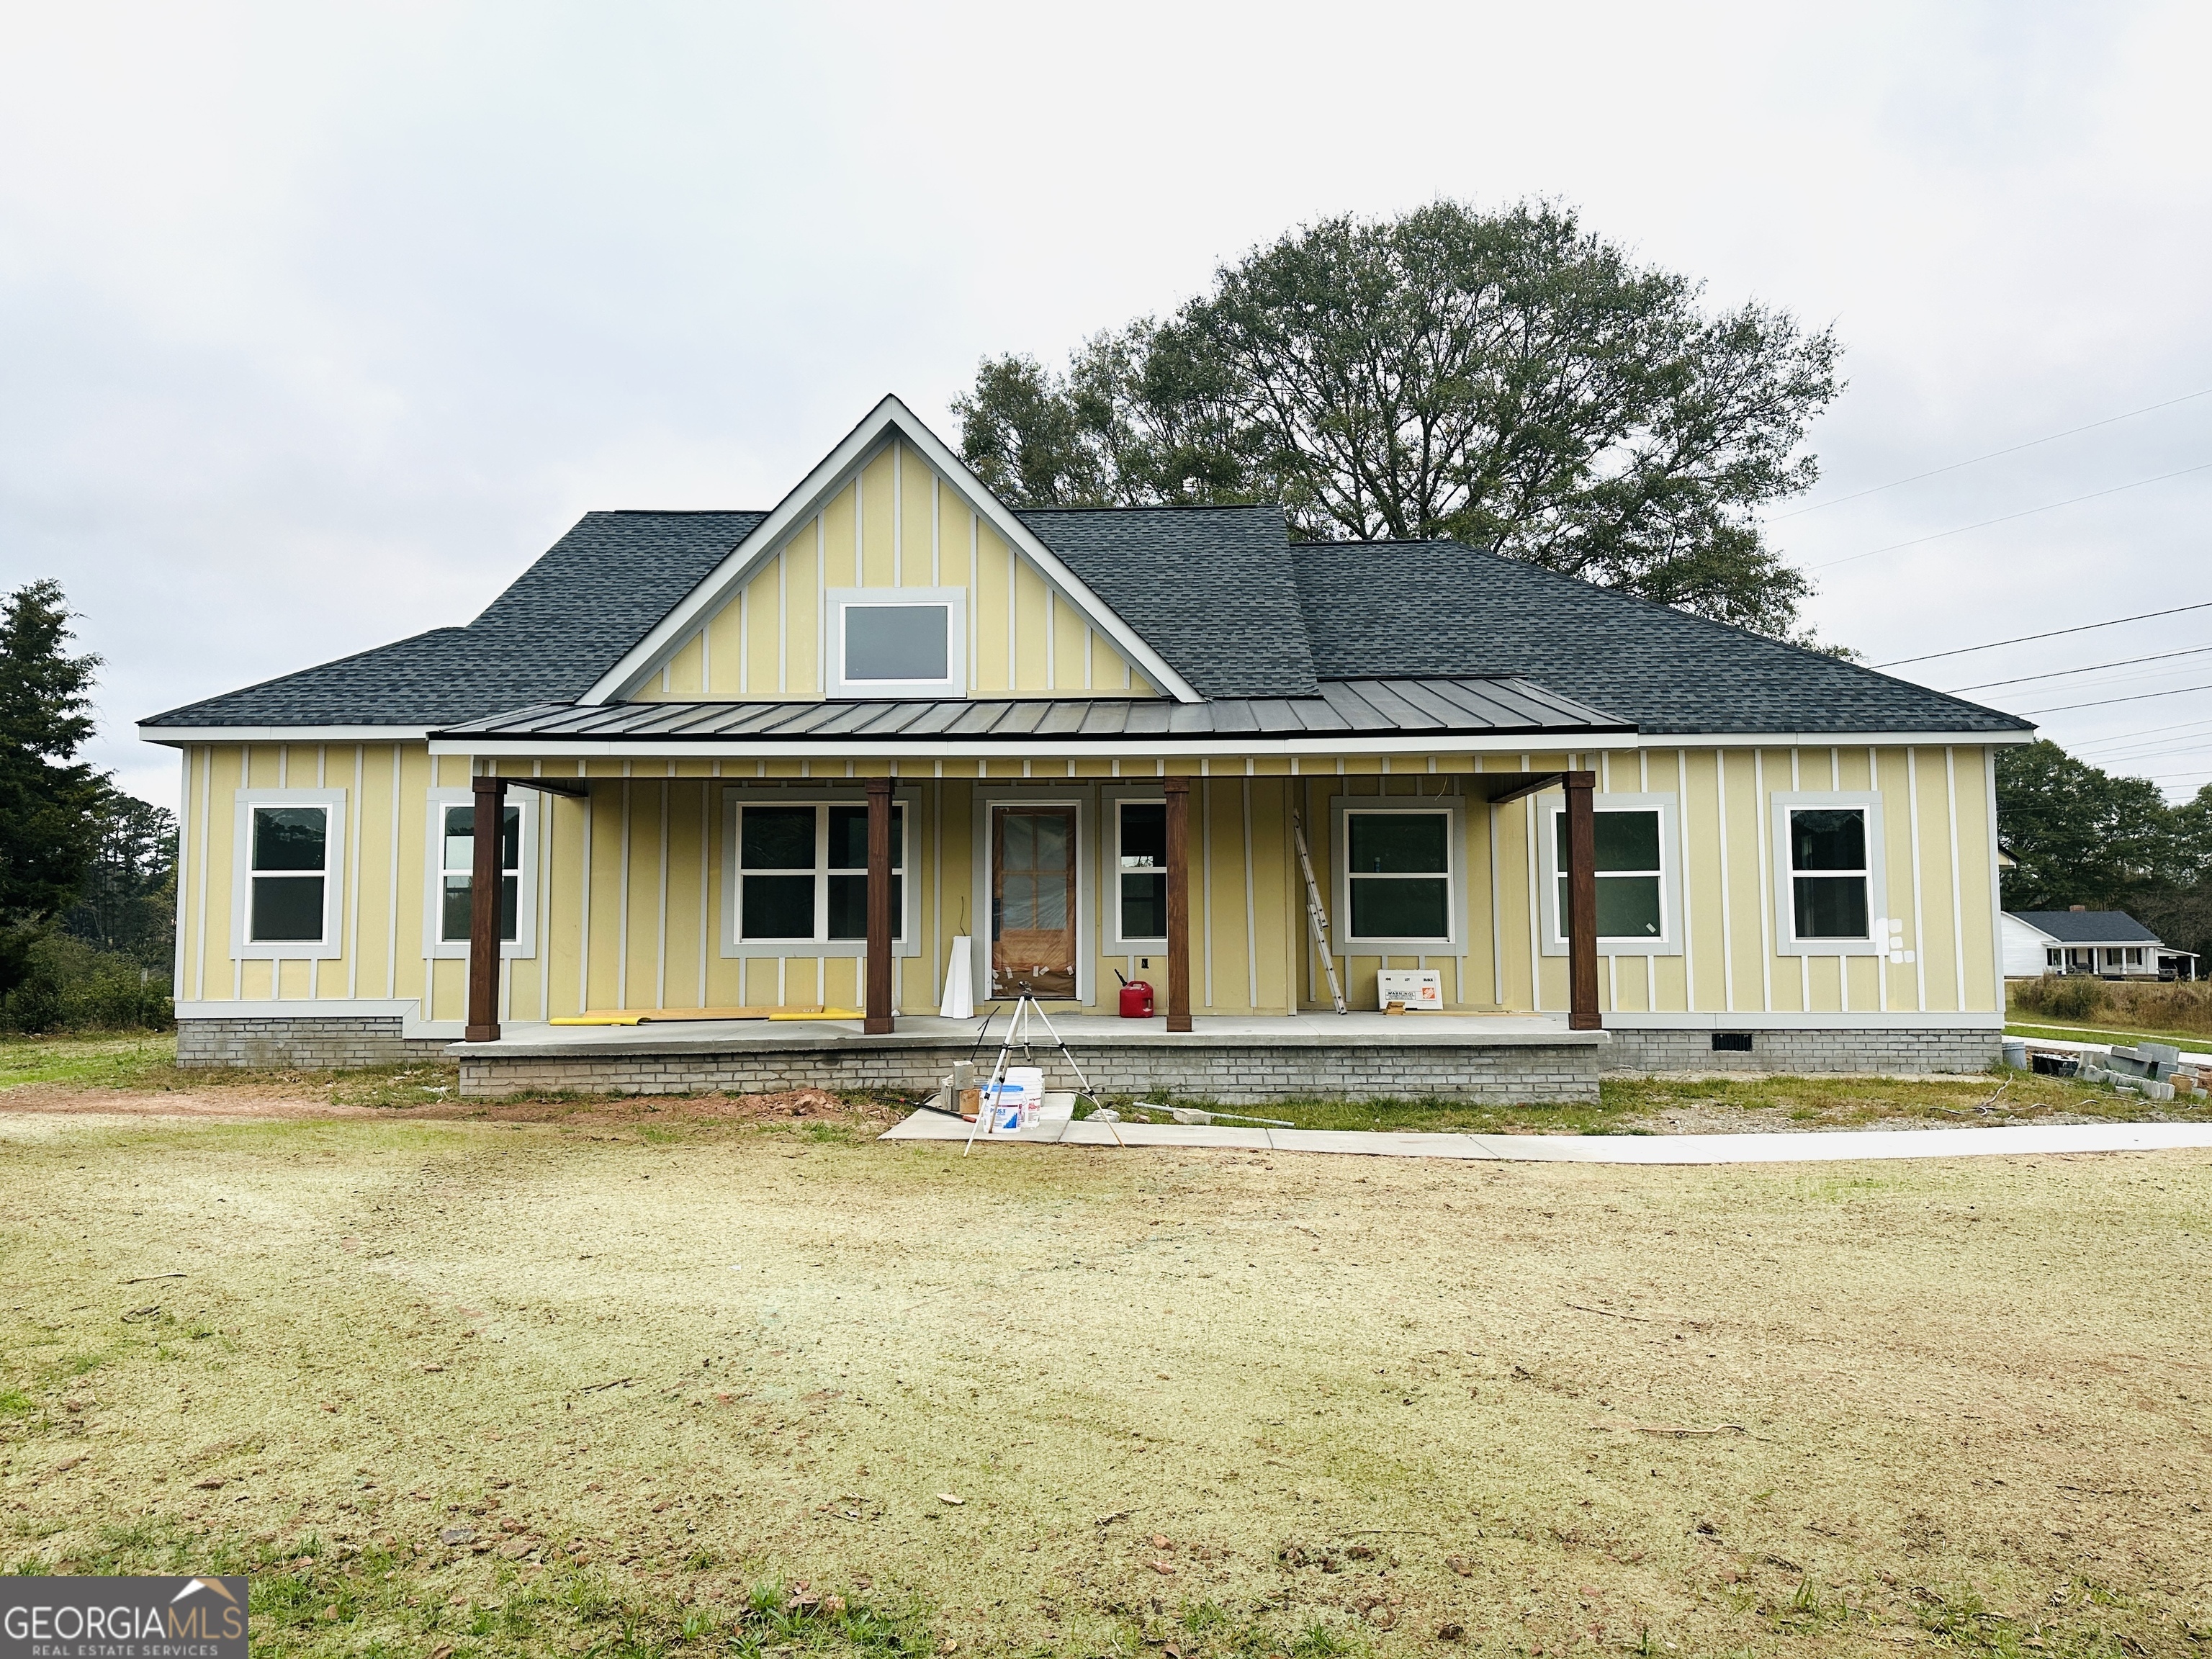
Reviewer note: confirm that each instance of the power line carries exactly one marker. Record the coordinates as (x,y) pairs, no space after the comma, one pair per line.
(2102,702)
(2190,726)
(2028,513)
(1965,650)
(1993,454)
(2093,668)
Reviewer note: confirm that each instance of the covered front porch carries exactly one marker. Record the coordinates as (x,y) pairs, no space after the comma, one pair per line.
(1257,867)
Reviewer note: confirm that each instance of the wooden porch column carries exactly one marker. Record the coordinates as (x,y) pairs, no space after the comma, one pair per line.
(486,831)
(1178,793)
(1581,903)
(878,1022)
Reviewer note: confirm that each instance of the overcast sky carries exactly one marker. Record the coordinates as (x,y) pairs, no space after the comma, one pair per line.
(318,323)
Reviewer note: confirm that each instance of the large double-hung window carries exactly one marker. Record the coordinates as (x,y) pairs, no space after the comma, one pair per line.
(1638,903)
(1399,876)
(288,872)
(450,902)
(1828,888)
(1139,893)
(799,878)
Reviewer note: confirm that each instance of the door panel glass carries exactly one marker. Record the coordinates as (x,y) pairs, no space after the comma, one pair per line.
(1033,910)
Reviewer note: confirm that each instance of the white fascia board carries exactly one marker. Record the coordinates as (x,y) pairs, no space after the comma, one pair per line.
(177,736)
(813,492)
(1855,1021)
(1349,743)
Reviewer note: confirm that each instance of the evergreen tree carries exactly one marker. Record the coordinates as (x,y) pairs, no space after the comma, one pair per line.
(48,799)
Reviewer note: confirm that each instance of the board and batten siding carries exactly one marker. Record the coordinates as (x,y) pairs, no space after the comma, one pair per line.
(897,523)
(628,900)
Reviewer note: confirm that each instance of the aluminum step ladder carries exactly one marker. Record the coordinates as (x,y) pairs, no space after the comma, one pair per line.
(1317,914)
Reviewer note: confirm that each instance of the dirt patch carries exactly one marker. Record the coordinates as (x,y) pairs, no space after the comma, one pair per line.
(1075,1400)
(268,1103)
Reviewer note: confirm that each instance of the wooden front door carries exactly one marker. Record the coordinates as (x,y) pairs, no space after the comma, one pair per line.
(1033,901)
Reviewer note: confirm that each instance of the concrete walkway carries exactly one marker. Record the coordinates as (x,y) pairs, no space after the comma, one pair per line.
(1815,1147)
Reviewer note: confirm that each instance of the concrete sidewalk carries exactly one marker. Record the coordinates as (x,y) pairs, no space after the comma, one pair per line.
(1815,1147)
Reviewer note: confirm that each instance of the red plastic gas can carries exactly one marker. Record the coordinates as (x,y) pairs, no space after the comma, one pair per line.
(1136,1001)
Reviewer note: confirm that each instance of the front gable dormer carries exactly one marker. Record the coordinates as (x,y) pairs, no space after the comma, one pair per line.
(839,592)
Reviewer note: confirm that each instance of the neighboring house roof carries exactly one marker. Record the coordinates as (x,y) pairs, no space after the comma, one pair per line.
(1220,592)
(1437,707)
(2088,927)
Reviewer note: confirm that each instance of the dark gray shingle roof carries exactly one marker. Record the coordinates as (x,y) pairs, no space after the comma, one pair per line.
(1220,592)
(1437,706)
(2088,926)
(1208,588)
(566,621)
(1441,607)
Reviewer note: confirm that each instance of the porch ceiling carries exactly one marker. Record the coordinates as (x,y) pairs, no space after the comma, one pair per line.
(1356,711)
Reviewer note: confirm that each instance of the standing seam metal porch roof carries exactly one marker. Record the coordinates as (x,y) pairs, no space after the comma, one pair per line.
(1349,708)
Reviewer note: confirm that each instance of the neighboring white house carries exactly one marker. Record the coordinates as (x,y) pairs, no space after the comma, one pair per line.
(2111,943)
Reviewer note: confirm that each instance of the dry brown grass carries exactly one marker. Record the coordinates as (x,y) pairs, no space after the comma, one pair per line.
(1387,1398)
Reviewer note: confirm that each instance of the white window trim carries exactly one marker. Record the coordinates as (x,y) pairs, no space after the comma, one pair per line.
(1670,943)
(1341,942)
(525,942)
(332,944)
(1786,942)
(770,950)
(1085,802)
(840,599)
(1111,798)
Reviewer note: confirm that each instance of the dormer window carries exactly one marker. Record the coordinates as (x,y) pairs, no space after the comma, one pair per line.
(897,642)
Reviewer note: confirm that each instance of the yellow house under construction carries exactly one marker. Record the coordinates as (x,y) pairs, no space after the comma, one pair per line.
(1084,747)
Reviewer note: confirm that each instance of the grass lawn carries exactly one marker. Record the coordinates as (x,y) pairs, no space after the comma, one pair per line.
(630,1388)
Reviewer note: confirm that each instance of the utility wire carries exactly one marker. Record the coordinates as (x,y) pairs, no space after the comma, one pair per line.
(2025,639)
(2102,702)
(2093,668)
(1993,454)
(2026,512)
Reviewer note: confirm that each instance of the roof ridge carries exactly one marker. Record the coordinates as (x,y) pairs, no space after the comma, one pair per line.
(1165,507)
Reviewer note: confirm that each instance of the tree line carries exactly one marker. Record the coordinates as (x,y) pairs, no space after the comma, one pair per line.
(2080,836)
(88,873)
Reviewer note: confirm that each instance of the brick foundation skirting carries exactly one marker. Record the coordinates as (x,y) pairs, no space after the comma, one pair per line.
(1245,1074)
(1879,1051)
(323,1044)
